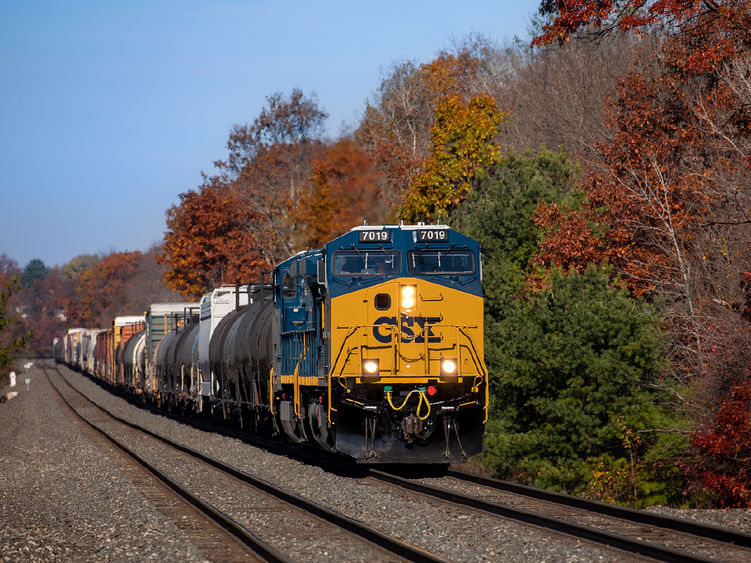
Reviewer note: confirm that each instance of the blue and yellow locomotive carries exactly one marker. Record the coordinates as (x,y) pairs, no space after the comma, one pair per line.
(378,345)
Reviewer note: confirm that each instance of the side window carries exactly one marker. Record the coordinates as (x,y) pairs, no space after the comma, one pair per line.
(289,286)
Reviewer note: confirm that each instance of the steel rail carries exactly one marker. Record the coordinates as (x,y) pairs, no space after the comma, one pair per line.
(257,545)
(640,516)
(395,546)
(647,549)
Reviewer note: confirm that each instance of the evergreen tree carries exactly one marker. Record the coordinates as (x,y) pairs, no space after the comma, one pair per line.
(33,271)
(573,364)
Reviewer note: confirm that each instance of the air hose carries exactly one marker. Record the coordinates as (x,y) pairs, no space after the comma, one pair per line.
(419,405)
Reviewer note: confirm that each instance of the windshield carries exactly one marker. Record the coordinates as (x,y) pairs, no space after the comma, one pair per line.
(450,262)
(366,263)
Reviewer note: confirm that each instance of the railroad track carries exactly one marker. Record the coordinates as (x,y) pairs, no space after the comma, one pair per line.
(353,533)
(639,532)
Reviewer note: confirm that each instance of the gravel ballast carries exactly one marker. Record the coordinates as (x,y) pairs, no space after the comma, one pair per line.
(63,498)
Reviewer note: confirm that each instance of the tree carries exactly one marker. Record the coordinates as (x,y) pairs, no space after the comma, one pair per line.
(208,241)
(396,127)
(578,369)
(708,33)
(148,285)
(719,468)
(571,362)
(346,192)
(269,169)
(462,141)
(556,97)
(101,288)
(33,271)
(8,269)
(669,204)
(11,346)
(79,264)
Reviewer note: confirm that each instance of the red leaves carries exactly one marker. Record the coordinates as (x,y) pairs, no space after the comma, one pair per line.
(724,452)
(703,34)
(568,238)
(571,15)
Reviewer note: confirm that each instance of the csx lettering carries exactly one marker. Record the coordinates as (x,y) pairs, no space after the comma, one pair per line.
(413,329)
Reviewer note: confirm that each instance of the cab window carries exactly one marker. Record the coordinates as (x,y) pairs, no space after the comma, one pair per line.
(289,286)
(366,263)
(443,262)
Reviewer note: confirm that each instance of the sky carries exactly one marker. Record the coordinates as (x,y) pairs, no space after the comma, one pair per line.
(110,109)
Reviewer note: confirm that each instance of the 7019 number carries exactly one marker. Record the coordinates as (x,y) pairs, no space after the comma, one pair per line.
(427,235)
(375,236)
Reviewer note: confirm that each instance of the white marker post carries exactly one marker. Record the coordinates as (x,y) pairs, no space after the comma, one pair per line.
(13,379)
(26,366)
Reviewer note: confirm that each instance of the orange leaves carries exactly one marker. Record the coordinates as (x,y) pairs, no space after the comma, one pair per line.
(208,242)
(568,239)
(462,140)
(345,193)
(102,288)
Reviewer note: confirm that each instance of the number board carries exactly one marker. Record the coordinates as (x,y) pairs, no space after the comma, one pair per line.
(374,236)
(432,235)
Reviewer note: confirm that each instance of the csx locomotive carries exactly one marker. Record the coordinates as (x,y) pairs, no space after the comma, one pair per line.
(371,346)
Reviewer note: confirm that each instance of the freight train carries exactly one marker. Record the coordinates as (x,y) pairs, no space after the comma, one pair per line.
(371,347)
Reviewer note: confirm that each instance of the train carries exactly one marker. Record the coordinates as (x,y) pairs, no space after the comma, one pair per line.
(371,347)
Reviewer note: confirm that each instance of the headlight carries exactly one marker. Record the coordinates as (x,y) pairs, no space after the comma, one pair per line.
(409,296)
(371,368)
(448,366)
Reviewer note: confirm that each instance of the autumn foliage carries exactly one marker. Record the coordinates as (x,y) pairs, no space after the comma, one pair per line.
(710,32)
(723,452)
(397,127)
(102,288)
(209,242)
(668,202)
(463,140)
(346,191)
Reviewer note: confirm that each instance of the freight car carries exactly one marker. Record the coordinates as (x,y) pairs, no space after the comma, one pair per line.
(371,346)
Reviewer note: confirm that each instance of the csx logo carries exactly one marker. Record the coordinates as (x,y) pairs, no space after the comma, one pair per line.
(412,329)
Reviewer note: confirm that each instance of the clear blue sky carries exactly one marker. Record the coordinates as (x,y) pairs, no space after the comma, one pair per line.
(110,109)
